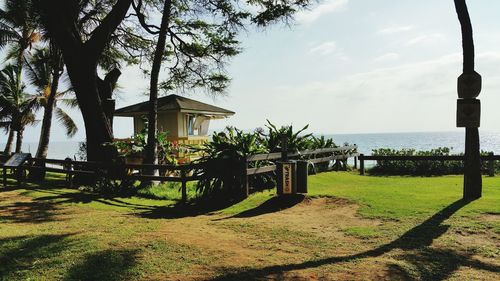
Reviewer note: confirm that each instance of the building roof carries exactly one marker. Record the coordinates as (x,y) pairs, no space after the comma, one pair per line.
(173,103)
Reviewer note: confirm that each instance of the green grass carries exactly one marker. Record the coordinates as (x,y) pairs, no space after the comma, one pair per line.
(50,232)
(393,197)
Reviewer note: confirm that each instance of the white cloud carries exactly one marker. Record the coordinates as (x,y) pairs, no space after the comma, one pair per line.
(329,6)
(422,39)
(325,48)
(387,57)
(395,29)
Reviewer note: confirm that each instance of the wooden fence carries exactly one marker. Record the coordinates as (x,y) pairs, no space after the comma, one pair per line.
(491,158)
(169,173)
(175,173)
(312,156)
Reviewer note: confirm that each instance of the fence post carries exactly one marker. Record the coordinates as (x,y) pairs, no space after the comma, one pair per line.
(355,162)
(4,176)
(244,179)
(184,187)
(362,164)
(491,165)
(284,148)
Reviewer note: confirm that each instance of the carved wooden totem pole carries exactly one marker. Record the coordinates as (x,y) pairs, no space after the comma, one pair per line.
(469,108)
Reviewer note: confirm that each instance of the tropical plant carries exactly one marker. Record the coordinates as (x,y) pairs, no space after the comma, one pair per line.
(224,157)
(136,146)
(44,70)
(18,29)
(16,106)
(295,141)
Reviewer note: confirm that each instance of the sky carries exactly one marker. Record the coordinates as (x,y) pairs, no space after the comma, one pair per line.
(349,66)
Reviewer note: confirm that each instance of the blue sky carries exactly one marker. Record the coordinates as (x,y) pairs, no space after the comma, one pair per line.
(351,66)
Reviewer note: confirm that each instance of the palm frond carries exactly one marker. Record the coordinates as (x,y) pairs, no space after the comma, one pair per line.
(66,121)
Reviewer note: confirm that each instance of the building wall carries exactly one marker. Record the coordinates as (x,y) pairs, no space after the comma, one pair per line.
(173,122)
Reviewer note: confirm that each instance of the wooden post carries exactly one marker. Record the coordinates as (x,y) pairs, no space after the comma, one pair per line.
(284,148)
(244,179)
(184,187)
(472,166)
(361,164)
(355,162)
(4,177)
(491,165)
(69,171)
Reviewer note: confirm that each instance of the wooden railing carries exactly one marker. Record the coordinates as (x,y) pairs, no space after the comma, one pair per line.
(177,173)
(491,158)
(119,171)
(312,156)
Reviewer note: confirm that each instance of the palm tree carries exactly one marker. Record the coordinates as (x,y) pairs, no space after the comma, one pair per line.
(44,70)
(16,106)
(5,125)
(18,29)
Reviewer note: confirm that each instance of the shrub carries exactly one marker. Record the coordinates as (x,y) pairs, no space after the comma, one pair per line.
(418,168)
(224,157)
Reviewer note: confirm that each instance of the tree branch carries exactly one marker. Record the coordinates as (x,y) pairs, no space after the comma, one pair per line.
(97,42)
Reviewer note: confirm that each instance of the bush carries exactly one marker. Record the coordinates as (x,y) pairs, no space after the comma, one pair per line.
(224,157)
(418,168)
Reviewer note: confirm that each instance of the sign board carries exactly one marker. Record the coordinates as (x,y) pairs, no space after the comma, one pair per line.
(17,160)
(468,113)
(287,178)
(469,85)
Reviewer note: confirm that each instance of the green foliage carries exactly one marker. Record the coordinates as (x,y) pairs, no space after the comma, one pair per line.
(295,141)
(16,106)
(224,157)
(426,168)
(137,145)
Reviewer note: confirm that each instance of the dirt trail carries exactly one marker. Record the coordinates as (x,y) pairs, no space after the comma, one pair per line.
(236,243)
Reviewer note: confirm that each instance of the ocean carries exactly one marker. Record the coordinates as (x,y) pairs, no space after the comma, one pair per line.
(490,141)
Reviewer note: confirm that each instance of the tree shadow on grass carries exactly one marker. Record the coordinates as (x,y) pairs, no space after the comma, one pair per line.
(190,209)
(273,205)
(431,264)
(29,212)
(107,265)
(22,255)
(86,198)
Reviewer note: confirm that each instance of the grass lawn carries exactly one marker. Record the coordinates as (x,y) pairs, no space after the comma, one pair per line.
(349,227)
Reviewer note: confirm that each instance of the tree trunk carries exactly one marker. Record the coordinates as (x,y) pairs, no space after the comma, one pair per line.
(151,149)
(43,143)
(19,140)
(8,145)
(98,128)
(81,59)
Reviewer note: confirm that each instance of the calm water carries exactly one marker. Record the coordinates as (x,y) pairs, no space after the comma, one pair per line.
(490,141)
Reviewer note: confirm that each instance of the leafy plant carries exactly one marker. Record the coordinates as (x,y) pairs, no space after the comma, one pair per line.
(224,157)
(426,168)
(295,141)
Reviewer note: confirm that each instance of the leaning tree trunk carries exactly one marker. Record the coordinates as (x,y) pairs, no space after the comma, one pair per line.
(19,140)
(81,59)
(43,143)
(151,149)
(10,141)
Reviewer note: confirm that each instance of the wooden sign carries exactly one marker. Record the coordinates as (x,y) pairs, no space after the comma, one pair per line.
(287,178)
(469,85)
(17,160)
(468,113)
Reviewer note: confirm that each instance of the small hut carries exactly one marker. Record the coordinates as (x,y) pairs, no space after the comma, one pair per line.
(187,121)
